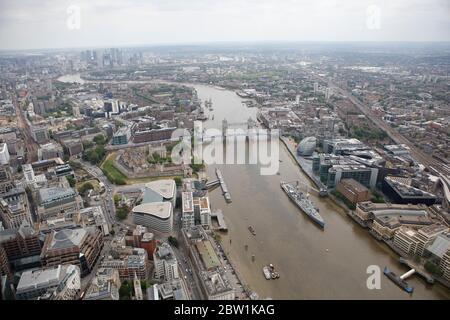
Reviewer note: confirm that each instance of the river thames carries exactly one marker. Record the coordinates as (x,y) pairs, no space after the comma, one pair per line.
(313,263)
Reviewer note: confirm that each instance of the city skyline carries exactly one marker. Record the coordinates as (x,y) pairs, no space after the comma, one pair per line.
(79,24)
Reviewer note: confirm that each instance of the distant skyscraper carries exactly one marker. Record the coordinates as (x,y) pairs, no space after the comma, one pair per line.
(316,87)
(328,93)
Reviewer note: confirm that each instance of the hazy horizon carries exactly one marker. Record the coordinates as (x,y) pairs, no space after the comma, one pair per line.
(77,24)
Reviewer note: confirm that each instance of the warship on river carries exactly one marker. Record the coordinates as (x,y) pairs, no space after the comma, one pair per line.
(302,201)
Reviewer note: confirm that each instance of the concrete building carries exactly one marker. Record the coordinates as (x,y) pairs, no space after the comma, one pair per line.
(55,283)
(21,243)
(401,192)
(387,218)
(163,190)
(353,191)
(15,208)
(28,173)
(435,252)
(157,216)
(171,290)
(5,270)
(331,169)
(50,151)
(208,269)
(94,216)
(202,211)
(187,210)
(55,200)
(129,262)
(166,264)
(122,136)
(74,147)
(79,246)
(342,146)
(445,265)
(6,182)
(105,285)
(4,154)
(40,134)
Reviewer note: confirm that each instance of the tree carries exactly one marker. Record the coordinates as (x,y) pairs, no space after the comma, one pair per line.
(173,241)
(125,291)
(122,212)
(117,197)
(71,181)
(178,181)
(100,139)
(144,285)
(85,187)
(433,268)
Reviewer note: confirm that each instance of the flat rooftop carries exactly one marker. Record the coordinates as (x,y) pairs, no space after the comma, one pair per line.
(207,254)
(165,187)
(161,210)
(188,204)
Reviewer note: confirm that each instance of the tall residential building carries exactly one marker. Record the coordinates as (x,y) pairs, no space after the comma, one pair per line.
(316,87)
(166,265)
(55,283)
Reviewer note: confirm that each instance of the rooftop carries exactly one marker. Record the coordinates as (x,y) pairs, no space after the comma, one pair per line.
(166,188)
(208,255)
(162,210)
(67,238)
(54,193)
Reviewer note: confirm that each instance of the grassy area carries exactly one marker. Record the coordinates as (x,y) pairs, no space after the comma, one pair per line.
(111,172)
(115,176)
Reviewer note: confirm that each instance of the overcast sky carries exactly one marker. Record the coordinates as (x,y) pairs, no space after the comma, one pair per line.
(31,24)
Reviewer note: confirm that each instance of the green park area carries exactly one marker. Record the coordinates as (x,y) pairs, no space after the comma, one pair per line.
(111,172)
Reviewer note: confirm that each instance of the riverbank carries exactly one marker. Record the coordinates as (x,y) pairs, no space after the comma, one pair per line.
(313,264)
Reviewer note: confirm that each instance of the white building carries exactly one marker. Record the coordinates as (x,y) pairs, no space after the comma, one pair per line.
(105,285)
(61,282)
(187,212)
(28,173)
(4,154)
(166,265)
(157,216)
